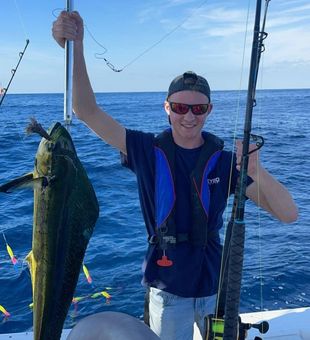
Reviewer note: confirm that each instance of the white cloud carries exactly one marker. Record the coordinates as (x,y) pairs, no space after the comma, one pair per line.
(282,20)
(289,46)
(162,11)
(289,33)
(300,8)
(179,2)
(147,14)
(224,15)
(217,21)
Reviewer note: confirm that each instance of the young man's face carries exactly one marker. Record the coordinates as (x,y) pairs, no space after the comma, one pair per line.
(187,127)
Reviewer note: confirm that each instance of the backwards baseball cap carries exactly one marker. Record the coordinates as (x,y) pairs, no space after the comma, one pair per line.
(190,81)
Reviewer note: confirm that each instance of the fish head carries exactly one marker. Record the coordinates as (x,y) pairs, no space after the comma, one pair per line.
(51,150)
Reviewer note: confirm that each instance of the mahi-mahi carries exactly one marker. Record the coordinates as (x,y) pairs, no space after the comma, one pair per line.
(65,213)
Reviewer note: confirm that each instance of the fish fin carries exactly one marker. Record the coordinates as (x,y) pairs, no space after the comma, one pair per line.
(26,181)
(32,267)
(17,183)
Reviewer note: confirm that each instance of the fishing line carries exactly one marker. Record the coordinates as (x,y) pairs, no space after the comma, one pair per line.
(164,37)
(228,208)
(229,294)
(21,19)
(263,35)
(260,262)
(105,50)
(157,42)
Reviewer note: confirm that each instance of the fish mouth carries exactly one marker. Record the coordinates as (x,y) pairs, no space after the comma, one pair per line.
(60,139)
(54,128)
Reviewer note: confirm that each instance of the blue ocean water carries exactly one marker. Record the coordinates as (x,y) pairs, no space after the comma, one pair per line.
(277,256)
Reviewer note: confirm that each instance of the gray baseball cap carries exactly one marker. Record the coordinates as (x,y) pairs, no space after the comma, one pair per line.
(190,81)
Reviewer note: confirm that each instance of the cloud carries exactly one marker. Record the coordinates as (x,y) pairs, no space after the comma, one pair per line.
(297,9)
(147,14)
(171,3)
(289,46)
(284,16)
(287,20)
(163,8)
(216,21)
(289,33)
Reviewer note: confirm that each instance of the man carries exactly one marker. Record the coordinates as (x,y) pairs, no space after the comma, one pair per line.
(184,178)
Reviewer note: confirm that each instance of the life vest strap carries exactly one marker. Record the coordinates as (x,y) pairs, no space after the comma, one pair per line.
(180,237)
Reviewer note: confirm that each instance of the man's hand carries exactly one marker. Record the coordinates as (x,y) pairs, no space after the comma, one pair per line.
(68,26)
(254,163)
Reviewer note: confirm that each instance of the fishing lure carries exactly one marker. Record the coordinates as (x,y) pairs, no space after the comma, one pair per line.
(103,293)
(10,251)
(4,311)
(86,272)
(78,299)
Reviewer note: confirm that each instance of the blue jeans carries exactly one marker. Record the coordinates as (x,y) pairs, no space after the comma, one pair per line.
(172,317)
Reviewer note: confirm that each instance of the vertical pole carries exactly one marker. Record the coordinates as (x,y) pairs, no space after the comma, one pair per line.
(68,74)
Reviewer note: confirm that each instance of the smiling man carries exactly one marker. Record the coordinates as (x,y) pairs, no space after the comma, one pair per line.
(188,105)
(184,178)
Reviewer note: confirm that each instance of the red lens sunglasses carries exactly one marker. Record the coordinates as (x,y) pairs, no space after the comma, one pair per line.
(182,109)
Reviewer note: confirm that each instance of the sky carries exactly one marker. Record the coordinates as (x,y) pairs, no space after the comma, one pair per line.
(212,38)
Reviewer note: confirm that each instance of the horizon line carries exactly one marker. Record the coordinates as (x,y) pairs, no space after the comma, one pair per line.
(110,92)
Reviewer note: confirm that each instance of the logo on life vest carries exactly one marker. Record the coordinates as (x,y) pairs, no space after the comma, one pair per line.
(215,180)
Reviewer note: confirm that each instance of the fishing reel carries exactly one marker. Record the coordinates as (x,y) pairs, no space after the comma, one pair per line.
(215,328)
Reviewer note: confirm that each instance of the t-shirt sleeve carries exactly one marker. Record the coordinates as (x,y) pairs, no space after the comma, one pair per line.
(139,147)
(140,159)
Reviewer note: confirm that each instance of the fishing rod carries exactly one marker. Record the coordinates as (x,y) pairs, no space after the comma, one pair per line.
(68,74)
(226,324)
(13,71)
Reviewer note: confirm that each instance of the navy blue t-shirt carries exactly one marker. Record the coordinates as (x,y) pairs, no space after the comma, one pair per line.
(195,270)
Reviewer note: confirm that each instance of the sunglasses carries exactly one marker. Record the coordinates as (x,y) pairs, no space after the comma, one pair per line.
(182,109)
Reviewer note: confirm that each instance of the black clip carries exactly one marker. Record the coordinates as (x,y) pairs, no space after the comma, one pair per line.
(259,142)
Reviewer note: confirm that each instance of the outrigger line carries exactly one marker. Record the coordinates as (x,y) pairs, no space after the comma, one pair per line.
(21,54)
(226,324)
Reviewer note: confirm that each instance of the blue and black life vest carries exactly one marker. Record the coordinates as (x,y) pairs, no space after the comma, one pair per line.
(166,234)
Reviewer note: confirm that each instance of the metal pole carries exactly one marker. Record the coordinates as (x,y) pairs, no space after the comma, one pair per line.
(68,74)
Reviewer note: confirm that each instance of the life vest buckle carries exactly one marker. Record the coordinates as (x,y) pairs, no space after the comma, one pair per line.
(152,239)
(169,239)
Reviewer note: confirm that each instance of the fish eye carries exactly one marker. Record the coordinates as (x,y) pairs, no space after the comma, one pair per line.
(62,144)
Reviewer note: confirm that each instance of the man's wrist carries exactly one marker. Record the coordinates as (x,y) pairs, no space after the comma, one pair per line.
(78,46)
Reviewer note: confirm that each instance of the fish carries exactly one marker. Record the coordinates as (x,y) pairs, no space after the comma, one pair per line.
(64,216)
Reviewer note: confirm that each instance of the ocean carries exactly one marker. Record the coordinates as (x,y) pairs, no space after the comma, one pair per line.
(277,256)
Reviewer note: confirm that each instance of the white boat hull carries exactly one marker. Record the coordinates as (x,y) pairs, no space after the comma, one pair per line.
(286,324)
